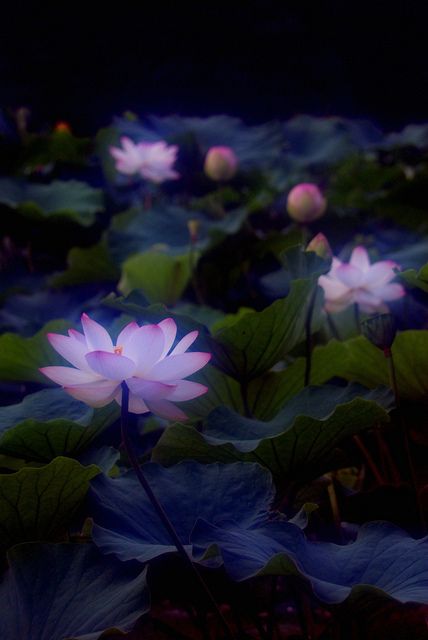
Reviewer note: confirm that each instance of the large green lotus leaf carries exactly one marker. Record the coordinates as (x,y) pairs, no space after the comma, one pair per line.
(360,361)
(415,278)
(69,592)
(50,423)
(253,344)
(137,231)
(297,444)
(222,391)
(38,503)
(21,358)
(382,560)
(87,265)
(135,305)
(61,198)
(161,277)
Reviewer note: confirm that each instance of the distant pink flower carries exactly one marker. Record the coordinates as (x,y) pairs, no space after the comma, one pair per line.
(306,203)
(357,281)
(142,358)
(152,160)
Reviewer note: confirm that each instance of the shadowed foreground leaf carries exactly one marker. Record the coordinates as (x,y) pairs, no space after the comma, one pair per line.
(37,504)
(58,592)
(383,557)
(297,444)
(124,520)
(50,423)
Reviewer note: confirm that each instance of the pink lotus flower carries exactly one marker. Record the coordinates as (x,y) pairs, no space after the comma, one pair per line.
(142,358)
(152,160)
(357,281)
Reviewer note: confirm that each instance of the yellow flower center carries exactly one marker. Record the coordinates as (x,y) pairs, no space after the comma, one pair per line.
(118,350)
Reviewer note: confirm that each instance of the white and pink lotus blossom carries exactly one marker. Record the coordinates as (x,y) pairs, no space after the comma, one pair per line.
(143,357)
(151,160)
(359,282)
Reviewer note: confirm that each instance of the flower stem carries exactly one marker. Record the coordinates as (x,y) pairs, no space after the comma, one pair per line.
(161,512)
(332,327)
(410,466)
(370,461)
(357,318)
(308,325)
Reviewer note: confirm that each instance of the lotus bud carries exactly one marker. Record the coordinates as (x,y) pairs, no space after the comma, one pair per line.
(380,330)
(305,203)
(220,163)
(320,245)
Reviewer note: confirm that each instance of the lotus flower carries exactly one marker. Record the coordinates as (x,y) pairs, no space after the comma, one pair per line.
(142,357)
(359,282)
(152,160)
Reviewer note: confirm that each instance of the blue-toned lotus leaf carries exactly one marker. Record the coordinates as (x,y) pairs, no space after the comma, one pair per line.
(312,141)
(137,230)
(104,457)
(383,557)
(21,357)
(69,592)
(255,146)
(413,256)
(258,340)
(413,135)
(71,199)
(51,423)
(38,503)
(126,525)
(297,444)
(26,313)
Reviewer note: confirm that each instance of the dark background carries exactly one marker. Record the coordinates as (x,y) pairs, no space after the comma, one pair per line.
(258,60)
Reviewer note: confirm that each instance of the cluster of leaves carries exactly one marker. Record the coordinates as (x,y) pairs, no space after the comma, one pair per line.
(271,476)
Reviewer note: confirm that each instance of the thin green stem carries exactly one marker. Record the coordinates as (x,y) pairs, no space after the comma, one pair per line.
(410,466)
(308,331)
(193,273)
(161,512)
(357,318)
(334,505)
(332,326)
(370,461)
(244,396)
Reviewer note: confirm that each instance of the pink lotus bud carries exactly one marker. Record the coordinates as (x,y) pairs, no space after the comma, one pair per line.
(305,203)
(220,163)
(320,245)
